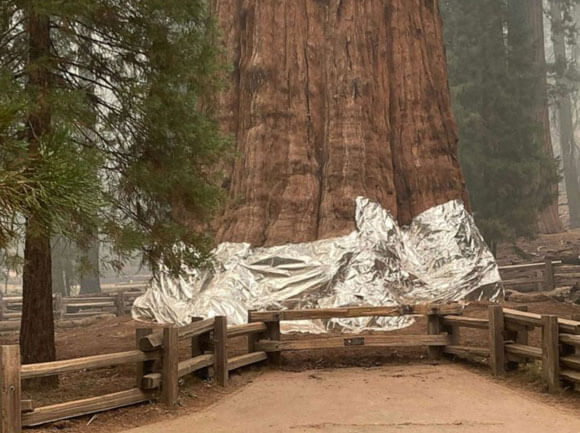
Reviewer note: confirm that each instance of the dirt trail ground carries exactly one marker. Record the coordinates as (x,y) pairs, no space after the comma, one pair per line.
(412,399)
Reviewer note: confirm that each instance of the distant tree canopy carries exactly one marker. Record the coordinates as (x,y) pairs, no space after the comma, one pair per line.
(106,129)
(494,81)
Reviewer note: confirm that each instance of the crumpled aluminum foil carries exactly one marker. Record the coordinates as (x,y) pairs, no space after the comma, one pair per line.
(440,257)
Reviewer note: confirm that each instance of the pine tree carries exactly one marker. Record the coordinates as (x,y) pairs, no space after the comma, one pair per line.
(509,175)
(111,114)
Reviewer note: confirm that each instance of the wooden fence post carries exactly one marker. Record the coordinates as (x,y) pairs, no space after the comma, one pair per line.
(496,341)
(196,348)
(575,349)
(549,274)
(170,370)
(220,338)
(120,303)
(540,283)
(200,344)
(10,391)
(59,306)
(519,335)
(144,367)
(522,334)
(454,334)
(252,338)
(434,326)
(550,353)
(273,333)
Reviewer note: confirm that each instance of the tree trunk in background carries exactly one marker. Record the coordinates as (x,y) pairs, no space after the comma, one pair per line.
(37,329)
(567,141)
(576,47)
(90,281)
(59,284)
(526,30)
(576,75)
(62,253)
(331,100)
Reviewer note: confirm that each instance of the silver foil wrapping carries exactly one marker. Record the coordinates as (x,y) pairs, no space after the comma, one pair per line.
(440,257)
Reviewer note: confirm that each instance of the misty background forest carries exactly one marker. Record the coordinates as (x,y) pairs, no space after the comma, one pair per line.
(513,72)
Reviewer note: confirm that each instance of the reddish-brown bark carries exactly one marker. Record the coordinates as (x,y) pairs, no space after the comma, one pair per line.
(330,100)
(37,329)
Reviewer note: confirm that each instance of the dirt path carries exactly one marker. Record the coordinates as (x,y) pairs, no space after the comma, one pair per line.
(413,399)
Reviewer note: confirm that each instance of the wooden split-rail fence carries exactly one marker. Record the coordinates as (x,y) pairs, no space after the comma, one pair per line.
(159,367)
(118,303)
(546,275)
(508,343)
(158,370)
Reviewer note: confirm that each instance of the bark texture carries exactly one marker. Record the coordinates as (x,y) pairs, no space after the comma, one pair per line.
(37,329)
(331,99)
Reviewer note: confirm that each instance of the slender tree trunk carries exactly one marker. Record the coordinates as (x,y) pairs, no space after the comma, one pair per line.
(526,30)
(90,281)
(567,141)
(576,47)
(576,74)
(331,100)
(37,329)
(492,47)
(60,266)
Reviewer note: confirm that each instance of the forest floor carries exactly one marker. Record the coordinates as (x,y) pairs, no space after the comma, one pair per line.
(118,334)
(525,250)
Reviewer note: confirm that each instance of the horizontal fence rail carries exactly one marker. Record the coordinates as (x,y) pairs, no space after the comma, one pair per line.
(341,342)
(333,313)
(87,363)
(535,320)
(545,275)
(87,406)
(466,322)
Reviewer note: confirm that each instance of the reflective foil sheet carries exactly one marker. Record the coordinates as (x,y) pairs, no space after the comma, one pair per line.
(440,257)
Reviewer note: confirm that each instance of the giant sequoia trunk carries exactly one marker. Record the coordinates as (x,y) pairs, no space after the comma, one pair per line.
(330,100)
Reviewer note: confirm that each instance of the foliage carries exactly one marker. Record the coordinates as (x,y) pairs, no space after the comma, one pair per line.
(494,83)
(132,146)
